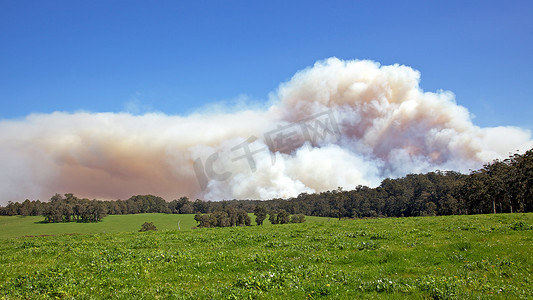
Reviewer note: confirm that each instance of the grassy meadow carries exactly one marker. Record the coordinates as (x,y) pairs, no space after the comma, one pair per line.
(16,226)
(453,257)
(19,226)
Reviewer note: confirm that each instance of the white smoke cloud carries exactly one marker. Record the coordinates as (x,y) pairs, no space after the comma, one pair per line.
(382,125)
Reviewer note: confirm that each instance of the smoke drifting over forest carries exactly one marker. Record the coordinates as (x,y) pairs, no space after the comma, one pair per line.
(336,124)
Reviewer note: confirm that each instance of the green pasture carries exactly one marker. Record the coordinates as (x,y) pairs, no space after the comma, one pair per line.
(17,226)
(453,257)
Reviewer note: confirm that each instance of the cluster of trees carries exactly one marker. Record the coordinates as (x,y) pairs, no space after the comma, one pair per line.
(184,206)
(69,208)
(72,209)
(239,217)
(138,205)
(281,216)
(60,209)
(501,186)
(498,187)
(26,208)
(224,218)
(298,218)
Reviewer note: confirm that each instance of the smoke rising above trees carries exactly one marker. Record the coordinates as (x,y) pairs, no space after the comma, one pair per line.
(387,127)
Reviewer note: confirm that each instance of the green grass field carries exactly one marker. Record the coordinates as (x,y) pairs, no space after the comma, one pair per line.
(18,226)
(455,257)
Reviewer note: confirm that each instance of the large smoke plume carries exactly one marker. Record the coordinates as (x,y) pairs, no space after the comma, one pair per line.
(366,122)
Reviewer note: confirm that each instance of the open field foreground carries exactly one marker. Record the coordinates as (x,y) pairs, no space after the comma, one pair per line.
(487,256)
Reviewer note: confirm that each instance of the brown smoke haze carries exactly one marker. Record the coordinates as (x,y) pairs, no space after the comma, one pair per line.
(382,125)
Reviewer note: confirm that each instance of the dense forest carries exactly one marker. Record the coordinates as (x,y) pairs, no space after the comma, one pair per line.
(499,187)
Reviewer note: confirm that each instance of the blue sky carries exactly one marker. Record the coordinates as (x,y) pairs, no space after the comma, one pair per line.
(177,56)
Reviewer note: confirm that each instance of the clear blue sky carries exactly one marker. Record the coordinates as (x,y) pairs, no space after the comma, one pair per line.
(176,56)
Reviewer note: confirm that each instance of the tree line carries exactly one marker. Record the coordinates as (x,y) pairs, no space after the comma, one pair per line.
(224,218)
(502,186)
(231,216)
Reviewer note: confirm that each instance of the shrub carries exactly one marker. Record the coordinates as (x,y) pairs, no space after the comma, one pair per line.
(147,226)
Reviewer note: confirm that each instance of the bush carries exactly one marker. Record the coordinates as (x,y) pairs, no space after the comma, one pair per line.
(147,226)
